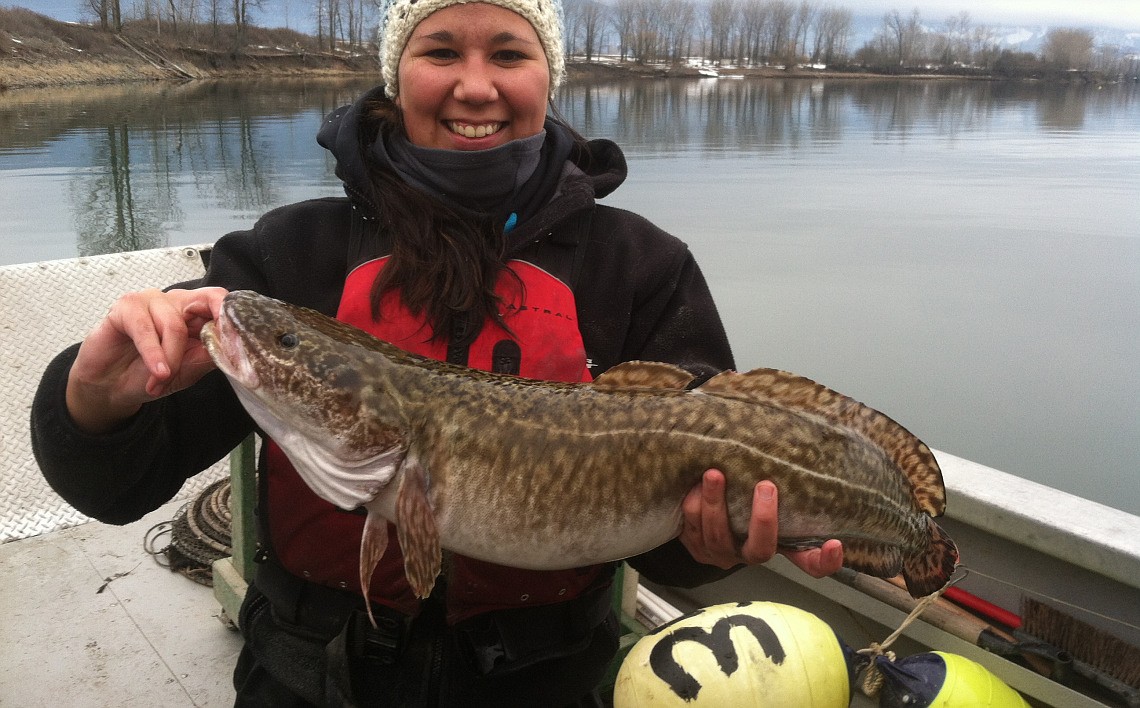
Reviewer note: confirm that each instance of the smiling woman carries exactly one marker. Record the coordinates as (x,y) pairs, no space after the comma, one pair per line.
(470,217)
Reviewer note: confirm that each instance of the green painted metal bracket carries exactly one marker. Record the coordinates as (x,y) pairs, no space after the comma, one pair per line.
(232,575)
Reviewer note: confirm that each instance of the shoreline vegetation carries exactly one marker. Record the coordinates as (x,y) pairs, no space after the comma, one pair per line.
(37,51)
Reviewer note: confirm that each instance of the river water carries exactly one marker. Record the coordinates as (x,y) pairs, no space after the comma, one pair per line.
(964,256)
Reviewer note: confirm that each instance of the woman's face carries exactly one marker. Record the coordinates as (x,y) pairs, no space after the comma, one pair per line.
(472,77)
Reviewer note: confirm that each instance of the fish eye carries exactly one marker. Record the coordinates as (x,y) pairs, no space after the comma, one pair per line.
(288,340)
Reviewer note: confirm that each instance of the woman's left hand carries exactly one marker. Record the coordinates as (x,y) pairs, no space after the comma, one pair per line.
(706,534)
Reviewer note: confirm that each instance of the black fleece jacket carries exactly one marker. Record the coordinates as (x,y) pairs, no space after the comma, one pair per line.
(639,292)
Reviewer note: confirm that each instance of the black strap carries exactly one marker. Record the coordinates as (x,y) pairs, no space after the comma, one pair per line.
(459,343)
(506,641)
(322,612)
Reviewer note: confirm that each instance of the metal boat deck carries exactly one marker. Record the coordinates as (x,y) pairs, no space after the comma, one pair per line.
(89,618)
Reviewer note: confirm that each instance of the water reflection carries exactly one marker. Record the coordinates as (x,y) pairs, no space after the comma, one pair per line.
(666,116)
(962,254)
(134,155)
(152,164)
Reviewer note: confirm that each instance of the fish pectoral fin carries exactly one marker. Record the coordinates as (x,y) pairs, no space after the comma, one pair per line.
(373,543)
(799,544)
(643,375)
(416,529)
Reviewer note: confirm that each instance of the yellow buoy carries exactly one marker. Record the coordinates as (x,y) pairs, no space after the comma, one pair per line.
(740,655)
(941,680)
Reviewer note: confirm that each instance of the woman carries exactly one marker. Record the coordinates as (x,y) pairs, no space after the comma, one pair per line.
(470,233)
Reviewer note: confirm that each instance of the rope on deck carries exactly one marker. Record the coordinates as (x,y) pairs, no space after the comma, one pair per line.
(199,535)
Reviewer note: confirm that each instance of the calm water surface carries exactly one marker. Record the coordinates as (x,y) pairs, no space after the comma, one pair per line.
(962,255)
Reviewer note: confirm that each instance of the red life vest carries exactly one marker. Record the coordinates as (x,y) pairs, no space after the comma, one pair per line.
(315,540)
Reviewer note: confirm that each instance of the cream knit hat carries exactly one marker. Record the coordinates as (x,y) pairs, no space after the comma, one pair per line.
(398,18)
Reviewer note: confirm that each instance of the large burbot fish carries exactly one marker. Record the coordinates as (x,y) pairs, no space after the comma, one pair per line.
(541,475)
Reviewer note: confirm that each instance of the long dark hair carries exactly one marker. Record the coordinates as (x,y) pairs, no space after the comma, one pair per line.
(443,264)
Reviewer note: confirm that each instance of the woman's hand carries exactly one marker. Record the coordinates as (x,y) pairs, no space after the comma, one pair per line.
(145,348)
(706,534)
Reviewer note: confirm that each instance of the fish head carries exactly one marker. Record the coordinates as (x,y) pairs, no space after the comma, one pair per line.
(302,378)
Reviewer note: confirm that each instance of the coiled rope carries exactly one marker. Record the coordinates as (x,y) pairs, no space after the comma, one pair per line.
(199,534)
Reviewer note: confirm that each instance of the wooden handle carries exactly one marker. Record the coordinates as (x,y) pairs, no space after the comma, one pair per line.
(941,614)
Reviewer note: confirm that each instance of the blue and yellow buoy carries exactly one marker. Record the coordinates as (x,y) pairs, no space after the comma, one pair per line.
(941,680)
(737,654)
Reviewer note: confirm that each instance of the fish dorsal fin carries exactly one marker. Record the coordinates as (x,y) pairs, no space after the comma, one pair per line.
(802,395)
(644,374)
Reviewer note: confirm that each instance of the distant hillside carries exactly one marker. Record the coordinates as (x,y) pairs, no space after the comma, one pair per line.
(36,50)
(1015,37)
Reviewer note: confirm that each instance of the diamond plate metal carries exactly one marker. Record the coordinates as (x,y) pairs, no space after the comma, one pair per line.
(44,307)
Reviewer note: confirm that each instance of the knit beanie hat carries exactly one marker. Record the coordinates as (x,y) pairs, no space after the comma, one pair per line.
(398,18)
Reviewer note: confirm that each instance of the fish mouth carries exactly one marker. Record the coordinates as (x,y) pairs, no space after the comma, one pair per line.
(223,341)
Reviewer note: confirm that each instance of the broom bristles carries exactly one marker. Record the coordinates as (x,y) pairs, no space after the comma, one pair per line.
(1092,645)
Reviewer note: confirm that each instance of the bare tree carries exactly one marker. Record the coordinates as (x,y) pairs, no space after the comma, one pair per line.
(722,15)
(780,41)
(753,19)
(623,16)
(332,21)
(801,24)
(646,30)
(984,46)
(359,14)
(571,25)
(241,10)
(903,35)
(593,18)
(214,10)
(951,45)
(639,29)
(677,18)
(108,12)
(832,34)
(1068,48)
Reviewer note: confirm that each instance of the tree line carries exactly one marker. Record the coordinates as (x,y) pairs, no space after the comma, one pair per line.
(753,33)
(744,33)
(737,32)
(338,23)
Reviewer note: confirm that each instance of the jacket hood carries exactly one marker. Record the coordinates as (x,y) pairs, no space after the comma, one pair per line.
(600,163)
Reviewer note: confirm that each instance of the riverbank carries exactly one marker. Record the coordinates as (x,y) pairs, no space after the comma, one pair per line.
(37,51)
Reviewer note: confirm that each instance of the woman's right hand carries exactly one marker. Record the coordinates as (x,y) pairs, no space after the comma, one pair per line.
(145,348)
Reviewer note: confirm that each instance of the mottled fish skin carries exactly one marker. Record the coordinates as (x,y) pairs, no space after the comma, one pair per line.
(544,475)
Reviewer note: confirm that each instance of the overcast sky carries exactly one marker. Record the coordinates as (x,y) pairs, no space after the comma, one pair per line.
(1121,14)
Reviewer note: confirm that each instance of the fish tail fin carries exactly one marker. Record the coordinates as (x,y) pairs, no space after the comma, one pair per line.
(930,570)
(373,543)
